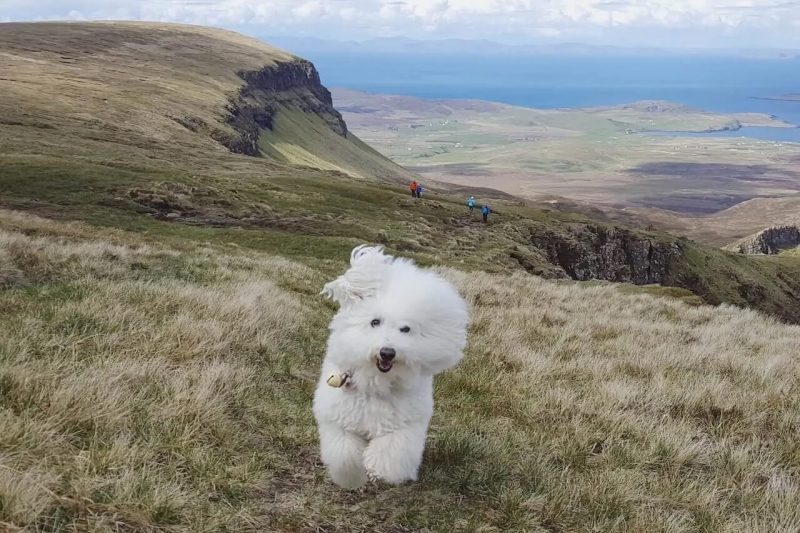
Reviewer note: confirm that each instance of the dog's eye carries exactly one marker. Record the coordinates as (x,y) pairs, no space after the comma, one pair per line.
(405,329)
(375,322)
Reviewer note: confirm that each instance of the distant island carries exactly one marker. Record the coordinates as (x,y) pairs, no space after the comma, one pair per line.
(789,97)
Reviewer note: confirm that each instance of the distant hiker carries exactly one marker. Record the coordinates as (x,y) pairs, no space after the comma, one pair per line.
(413,188)
(485,211)
(471,204)
(419,190)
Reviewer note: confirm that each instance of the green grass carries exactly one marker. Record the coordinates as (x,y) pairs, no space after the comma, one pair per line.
(304,139)
(720,277)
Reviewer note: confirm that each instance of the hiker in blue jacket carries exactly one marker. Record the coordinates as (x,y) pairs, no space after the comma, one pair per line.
(419,190)
(485,211)
(471,204)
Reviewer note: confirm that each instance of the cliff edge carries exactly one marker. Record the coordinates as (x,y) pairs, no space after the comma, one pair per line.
(770,241)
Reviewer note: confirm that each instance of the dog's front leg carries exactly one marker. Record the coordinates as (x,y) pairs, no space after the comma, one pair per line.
(342,452)
(395,457)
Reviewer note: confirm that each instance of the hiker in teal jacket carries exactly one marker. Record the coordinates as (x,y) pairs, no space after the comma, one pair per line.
(471,204)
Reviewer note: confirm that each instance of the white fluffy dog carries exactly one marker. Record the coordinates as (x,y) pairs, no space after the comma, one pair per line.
(398,325)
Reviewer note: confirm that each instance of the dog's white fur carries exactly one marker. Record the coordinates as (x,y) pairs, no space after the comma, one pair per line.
(375,426)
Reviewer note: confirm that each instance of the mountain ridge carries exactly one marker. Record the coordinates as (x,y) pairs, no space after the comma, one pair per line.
(256,105)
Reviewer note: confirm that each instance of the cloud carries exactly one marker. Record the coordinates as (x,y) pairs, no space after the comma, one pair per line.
(693,22)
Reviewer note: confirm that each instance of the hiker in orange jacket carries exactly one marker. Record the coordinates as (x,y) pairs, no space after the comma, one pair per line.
(413,188)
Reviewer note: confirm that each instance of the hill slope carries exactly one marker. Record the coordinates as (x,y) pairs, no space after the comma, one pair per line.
(166,93)
(192,133)
(146,387)
(157,358)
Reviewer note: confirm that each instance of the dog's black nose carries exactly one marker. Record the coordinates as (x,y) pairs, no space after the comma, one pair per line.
(387,354)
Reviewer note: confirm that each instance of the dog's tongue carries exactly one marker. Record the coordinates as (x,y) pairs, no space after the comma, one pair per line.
(384,366)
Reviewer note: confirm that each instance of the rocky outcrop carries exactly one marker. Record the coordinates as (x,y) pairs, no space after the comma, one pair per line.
(586,252)
(734,125)
(295,84)
(771,240)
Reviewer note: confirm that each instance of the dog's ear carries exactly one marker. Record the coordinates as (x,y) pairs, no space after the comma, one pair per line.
(369,254)
(338,291)
(364,277)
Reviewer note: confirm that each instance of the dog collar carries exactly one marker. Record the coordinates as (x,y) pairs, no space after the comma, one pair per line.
(337,380)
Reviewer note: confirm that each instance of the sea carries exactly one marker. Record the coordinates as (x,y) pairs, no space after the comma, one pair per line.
(723,84)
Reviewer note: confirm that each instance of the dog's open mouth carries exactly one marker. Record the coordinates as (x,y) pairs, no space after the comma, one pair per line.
(384,366)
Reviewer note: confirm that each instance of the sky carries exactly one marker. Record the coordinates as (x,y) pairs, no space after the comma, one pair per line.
(661,23)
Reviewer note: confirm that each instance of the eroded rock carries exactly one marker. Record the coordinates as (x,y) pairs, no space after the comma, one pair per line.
(587,252)
(771,240)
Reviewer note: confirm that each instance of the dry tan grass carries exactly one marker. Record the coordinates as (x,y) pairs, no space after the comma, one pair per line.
(10,275)
(675,416)
(150,98)
(70,65)
(151,390)
(127,372)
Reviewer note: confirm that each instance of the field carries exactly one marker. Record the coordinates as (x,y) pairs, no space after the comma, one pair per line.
(599,156)
(156,386)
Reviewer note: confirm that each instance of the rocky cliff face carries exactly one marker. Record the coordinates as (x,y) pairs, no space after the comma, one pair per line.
(585,252)
(771,240)
(293,84)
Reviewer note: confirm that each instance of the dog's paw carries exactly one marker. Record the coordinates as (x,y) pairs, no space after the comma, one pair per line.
(373,477)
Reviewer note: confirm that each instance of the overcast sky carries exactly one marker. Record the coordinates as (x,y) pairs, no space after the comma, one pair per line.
(680,23)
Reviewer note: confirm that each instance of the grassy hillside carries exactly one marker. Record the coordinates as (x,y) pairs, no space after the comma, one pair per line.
(125,125)
(161,329)
(304,139)
(153,387)
(148,99)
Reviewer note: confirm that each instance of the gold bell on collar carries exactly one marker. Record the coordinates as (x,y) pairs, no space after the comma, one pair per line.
(336,380)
